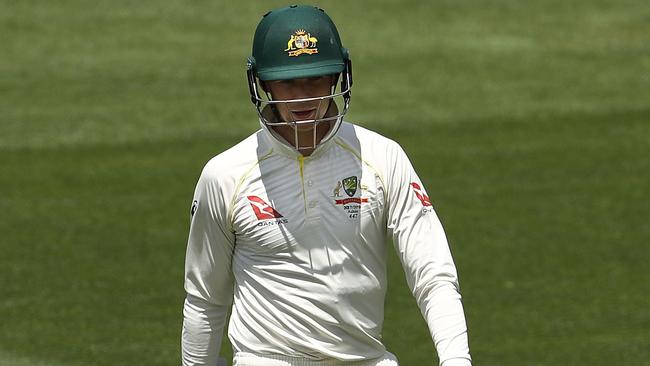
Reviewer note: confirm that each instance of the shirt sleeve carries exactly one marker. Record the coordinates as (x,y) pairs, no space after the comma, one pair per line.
(208,274)
(202,331)
(422,247)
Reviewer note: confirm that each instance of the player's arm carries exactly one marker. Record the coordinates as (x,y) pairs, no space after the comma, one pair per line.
(208,275)
(422,247)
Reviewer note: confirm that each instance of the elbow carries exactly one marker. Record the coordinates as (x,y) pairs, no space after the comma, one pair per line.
(428,286)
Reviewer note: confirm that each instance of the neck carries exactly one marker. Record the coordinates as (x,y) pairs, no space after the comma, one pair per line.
(305,137)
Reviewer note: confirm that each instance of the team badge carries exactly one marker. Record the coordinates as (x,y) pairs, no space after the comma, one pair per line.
(300,43)
(351,205)
(350,185)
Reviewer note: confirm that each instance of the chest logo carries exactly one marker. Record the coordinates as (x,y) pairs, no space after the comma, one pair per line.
(350,185)
(263,210)
(351,205)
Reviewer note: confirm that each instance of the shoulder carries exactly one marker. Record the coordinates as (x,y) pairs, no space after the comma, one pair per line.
(350,132)
(369,144)
(228,166)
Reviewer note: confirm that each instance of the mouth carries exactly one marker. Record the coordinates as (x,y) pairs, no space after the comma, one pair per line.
(305,114)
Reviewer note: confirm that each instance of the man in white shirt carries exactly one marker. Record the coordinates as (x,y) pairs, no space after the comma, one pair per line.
(289,227)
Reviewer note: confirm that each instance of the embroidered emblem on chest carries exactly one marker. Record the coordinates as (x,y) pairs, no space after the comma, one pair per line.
(350,185)
(351,205)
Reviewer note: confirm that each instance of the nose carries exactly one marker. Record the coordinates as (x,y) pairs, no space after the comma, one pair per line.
(301,89)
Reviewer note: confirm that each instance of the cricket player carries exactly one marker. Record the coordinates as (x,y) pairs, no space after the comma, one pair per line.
(289,227)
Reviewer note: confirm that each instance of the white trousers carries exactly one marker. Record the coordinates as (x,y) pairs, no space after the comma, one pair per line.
(250,359)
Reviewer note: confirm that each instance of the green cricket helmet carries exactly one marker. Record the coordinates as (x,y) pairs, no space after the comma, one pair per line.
(294,42)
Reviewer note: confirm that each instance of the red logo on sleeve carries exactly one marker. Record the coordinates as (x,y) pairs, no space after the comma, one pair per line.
(263,210)
(419,193)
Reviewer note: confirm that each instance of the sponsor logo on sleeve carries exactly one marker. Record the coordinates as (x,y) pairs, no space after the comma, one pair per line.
(195,206)
(422,196)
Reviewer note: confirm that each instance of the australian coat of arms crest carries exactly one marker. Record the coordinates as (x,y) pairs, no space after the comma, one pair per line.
(300,43)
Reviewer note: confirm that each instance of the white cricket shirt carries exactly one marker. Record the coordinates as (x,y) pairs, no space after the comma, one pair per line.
(298,246)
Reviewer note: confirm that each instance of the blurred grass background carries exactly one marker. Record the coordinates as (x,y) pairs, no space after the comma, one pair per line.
(527,121)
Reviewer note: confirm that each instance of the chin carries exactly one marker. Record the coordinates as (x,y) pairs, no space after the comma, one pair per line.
(305,127)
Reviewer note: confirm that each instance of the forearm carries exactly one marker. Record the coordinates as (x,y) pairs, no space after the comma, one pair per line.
(203,326)
(443,311)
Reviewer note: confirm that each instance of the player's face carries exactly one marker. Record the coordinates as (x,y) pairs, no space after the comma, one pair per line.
(301,89)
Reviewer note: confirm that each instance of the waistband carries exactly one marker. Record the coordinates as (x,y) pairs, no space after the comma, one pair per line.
(251,359)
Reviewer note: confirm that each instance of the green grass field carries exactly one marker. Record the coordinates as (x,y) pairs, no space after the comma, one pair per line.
(529,123)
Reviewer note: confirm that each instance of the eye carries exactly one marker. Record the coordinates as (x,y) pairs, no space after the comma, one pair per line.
(287,82)
(318,80)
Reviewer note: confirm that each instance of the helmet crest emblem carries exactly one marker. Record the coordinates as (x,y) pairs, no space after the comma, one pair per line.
(301,43)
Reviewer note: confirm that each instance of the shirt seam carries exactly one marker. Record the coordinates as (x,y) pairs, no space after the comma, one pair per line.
(231,209)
